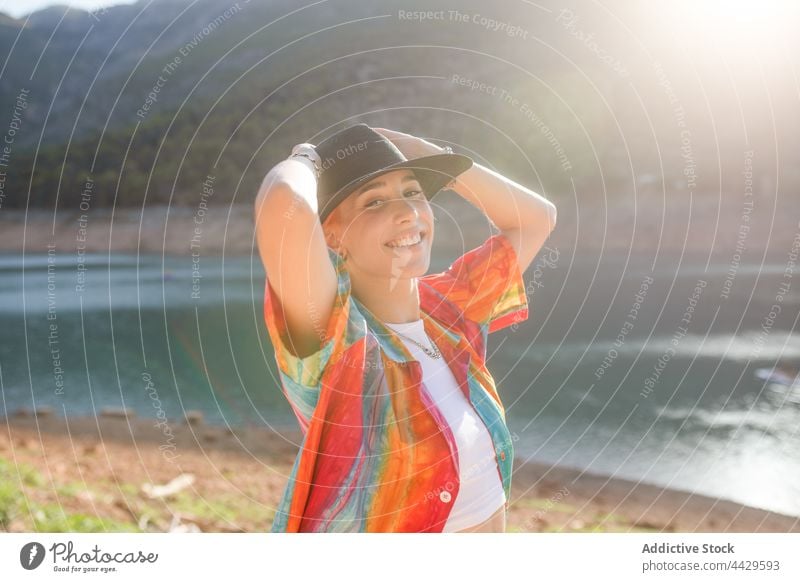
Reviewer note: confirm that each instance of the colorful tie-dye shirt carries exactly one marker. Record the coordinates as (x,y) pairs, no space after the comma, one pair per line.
(377,455)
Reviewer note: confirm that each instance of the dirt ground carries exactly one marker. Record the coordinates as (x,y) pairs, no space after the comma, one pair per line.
(97,474)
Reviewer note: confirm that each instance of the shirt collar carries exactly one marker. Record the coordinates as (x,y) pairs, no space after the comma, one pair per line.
(440,318)
(435,310)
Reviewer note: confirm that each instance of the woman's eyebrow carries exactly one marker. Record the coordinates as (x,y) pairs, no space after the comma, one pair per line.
(381,184)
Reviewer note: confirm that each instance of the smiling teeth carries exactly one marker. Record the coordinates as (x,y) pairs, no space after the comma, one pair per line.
(405,241)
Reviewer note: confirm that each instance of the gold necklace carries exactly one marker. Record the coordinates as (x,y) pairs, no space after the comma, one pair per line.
(435,353)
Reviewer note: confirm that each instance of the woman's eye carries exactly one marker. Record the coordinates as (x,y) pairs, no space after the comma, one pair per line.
(409,193)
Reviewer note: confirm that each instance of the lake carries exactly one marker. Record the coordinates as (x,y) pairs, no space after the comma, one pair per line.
(631,367)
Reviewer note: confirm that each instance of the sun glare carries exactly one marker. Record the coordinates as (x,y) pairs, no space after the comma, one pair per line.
(732,28)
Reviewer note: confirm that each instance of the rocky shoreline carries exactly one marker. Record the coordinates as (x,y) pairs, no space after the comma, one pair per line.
(652,226)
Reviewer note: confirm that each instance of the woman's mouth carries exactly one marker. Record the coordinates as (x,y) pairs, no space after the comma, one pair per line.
(406,241)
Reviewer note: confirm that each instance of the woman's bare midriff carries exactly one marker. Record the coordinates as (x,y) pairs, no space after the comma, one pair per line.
(495,524)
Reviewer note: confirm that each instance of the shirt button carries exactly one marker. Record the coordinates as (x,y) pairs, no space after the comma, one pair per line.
(445,496)
(502,455)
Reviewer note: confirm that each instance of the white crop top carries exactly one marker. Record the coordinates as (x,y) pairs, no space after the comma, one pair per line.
(481,490)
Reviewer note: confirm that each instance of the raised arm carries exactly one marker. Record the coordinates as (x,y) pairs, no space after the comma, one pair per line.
(293,250)
(523,216)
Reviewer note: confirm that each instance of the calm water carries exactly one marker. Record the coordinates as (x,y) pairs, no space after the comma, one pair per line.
(677,403)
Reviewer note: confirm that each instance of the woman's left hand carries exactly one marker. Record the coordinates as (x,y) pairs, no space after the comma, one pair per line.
(410,146)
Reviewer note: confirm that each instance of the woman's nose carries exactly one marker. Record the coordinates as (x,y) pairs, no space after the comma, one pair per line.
(405,209)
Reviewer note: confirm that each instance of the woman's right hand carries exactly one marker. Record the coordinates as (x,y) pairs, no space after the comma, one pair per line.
(307,153)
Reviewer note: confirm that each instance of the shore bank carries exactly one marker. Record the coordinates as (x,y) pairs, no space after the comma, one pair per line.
(655,226)
(119,473)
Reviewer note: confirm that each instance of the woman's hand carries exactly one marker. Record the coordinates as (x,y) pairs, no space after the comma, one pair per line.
(410,146)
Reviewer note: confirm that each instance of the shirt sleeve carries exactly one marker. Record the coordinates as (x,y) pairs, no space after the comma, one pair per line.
(486,284)
(307,371)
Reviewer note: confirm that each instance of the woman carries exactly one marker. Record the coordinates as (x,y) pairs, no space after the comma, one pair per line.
(384,366)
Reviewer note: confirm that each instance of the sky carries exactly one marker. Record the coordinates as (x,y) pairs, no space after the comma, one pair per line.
(19,8)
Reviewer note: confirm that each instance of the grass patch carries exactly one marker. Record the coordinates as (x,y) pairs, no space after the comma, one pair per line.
(28,502)
(9,502)
(546,505)
(71,489)
(11,494)
(52,519)
(20,472)
(229,507)
(46,517)
(129,489)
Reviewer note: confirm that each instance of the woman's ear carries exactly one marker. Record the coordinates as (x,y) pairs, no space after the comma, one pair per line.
(330,228)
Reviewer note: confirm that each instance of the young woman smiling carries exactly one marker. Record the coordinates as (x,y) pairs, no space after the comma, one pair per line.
(383,365)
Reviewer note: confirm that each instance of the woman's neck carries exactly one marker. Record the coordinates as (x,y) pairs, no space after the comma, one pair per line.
(394,300)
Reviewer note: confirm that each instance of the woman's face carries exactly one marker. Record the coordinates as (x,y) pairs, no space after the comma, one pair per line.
(377,227)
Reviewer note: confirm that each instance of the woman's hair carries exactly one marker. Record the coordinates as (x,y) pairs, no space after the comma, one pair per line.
(332,218)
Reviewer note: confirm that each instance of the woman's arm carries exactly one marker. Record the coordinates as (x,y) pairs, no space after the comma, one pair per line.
(295,254)
(523,216)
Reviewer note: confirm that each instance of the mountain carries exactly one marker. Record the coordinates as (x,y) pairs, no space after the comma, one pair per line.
(146,100)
